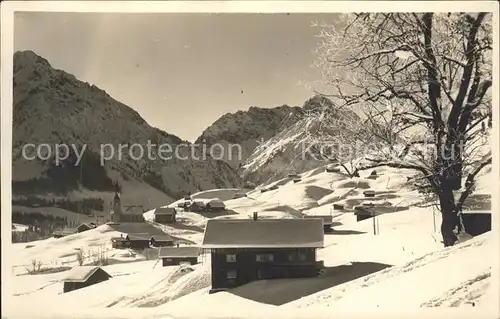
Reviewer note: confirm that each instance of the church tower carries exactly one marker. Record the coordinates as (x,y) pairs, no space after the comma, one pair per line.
(117,208)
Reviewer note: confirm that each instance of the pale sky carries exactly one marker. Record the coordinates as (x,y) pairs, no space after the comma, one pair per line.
(181,72)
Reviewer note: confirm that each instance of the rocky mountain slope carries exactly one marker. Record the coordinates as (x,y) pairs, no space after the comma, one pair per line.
(53,107)
(306,144)
(238,134)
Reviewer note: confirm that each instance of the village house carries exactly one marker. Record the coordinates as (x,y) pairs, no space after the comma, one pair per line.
(65,232)
(244,250)
(84,276)
(119,242)
(369,193)
(84,227)
(178,255)
(138,241)
(165,215)
(161,240)
(197,206)
(215,205)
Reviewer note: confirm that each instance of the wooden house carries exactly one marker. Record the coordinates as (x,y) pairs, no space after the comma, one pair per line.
(369,193)
(178,255)
(84,276)
(138,240)
(161,240)
(215,205)
(338,206)
(197,206)
(119,242)
(244,250)
(84,227)
(65,232)
(332,170)
(165,215)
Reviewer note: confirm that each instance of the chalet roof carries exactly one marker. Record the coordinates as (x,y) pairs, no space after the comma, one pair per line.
(216,203)
(165,211)
(269,233)
(82,273)
(138,236)
(136,228)
(69,231)
(165,252)
(115,239)
(165,237)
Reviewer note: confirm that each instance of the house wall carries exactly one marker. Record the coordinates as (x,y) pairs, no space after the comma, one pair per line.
(162,243)
(138,244)
(165,218)
(178,260)
(285,264)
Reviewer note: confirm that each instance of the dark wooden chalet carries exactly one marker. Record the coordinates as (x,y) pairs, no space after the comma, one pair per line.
(215,205)
(162,240)
(119,242)
(369,193)
(165,215)
(84,276)
(65,232)
(178,255)
(84,227)
(197,206)
(138,241)
(245,250)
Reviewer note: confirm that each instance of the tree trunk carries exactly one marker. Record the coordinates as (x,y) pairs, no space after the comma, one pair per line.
(449,215)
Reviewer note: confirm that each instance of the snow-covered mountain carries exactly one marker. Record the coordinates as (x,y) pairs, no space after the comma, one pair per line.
(53,107)
(247,129)
(301,146)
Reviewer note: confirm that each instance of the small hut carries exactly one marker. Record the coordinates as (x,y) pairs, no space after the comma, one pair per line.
(369,193)
(215,205)
(84,276)
(165,215)
(162,240)
(178,255)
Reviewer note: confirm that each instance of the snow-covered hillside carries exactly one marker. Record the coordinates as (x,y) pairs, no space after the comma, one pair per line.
(395,261)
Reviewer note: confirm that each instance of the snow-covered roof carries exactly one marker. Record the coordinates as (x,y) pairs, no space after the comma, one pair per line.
(165,211)
(82,273)
(139,236)
(162,237)
(215,202)
(269,233)
(178,252)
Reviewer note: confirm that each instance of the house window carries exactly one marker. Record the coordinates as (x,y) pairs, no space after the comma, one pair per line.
(231,258)
(231,274)
(264,257)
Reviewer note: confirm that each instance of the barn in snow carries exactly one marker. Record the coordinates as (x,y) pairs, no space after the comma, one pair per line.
(84,276)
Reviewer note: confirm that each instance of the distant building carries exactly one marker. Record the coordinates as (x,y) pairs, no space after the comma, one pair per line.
(118,215)
(84,276)
(215,205)
(119,242)
(244,250)
(84,227)
(161,240)
(178,255)
(65,232)
(138,241)
(369,193)
(197,206)
(165,215)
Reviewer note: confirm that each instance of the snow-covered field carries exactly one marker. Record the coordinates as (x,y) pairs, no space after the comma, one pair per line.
(401,266)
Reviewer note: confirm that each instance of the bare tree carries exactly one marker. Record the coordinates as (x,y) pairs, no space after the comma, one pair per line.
(423,81)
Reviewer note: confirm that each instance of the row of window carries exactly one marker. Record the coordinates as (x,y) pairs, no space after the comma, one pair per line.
(231,258)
